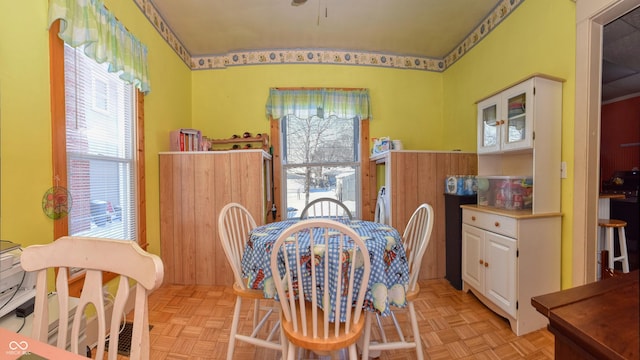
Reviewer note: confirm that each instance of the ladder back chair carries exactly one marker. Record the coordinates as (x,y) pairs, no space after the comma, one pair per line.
(325,208)
(415,241)
(94,256)
(311,317)
(234,224)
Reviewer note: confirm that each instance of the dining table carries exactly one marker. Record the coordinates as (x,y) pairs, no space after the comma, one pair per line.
(389,277)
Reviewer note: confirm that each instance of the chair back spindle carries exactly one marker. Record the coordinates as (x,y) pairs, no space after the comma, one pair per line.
(333,254)
(326,208)
(93,257)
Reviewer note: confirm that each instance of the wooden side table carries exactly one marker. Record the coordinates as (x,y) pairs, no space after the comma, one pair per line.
(595,321)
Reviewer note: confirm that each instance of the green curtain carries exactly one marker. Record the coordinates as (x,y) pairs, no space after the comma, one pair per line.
(304,103)
(88,23)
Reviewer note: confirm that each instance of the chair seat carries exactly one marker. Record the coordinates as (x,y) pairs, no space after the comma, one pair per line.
(332,343)
(413,294)
(247,293)
(611,223)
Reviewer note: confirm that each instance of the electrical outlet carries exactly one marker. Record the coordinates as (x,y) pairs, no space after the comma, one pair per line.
(563,170)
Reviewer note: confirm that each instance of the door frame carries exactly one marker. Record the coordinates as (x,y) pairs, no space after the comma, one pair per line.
(591,16)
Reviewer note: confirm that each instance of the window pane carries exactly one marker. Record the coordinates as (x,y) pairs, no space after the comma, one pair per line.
(307,183)
(320,160)
(100,148)
(317,140)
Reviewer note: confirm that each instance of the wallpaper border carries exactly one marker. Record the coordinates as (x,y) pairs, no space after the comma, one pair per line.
(327,56)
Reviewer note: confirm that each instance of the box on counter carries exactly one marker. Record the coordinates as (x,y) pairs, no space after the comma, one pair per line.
(381,145)
(460,184)
(506,192)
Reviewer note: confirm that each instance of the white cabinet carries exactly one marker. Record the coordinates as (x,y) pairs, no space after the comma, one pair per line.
(520,134)
(509,257)
(488,265)
(513,119)
(505,119)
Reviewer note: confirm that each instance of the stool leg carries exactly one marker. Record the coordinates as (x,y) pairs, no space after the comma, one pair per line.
(601,244)
(624,256)
(609,246)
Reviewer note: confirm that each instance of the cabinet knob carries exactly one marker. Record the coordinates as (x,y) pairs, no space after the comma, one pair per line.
(473,218)
(486,264)
(481,262)
(496,224)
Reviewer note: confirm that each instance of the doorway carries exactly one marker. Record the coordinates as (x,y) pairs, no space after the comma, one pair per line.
(591,16)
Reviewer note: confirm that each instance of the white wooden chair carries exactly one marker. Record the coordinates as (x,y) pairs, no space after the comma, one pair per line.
(304,324)
(415,241)
(95,256)
(325,208)
(234,224)
(381,214)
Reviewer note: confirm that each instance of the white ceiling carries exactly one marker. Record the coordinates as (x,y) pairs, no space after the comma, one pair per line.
(427,28)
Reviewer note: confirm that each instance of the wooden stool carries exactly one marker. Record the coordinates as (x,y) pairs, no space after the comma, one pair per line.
(609,225)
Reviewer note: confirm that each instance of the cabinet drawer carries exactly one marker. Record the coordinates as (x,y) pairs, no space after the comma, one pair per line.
(495,223)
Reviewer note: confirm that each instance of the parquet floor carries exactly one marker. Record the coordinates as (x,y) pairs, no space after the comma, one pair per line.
(192,322)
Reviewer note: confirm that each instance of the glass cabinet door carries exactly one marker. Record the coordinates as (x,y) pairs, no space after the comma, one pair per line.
(516,125)
(489,124)
(505,122)
(517,103)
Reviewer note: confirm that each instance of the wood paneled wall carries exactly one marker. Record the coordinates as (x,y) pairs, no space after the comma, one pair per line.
(193,189)
(419,177)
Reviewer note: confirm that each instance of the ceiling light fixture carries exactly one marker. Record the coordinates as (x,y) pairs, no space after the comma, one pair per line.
(297,2)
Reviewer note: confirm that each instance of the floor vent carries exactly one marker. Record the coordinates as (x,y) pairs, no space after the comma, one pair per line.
(124,340)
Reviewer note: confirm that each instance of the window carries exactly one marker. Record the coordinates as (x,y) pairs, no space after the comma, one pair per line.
(84,166)
(320,159)
(100,148)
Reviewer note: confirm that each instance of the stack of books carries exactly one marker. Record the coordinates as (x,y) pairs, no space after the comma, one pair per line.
(185,140)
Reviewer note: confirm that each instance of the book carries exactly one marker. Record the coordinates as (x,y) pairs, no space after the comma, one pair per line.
(185,140)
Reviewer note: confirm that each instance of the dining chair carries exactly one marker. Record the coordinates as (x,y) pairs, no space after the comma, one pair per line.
(331,259)
(381,214)
(415,241)
(94,256)
(234,224)
(327,208)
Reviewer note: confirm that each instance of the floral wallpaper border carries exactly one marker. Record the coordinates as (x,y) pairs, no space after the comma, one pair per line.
(327,56)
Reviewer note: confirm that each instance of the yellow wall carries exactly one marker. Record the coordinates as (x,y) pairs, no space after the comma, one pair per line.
(25,119)
(539,37)
(406,104)
(426,110)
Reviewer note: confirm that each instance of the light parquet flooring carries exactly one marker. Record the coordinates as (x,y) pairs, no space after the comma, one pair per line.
(193,322)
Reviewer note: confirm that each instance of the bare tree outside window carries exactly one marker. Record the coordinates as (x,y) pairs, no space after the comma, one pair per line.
(321,159)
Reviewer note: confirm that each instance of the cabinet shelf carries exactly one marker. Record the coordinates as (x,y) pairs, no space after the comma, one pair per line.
(263,139)
(517,117)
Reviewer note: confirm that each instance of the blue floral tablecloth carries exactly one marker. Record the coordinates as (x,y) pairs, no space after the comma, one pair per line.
(389,269)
